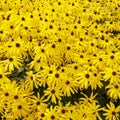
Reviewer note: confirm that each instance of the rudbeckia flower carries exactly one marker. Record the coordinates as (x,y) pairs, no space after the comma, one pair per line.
(113,90)
(111,112)
(53,93)
(11,63)
(32,80)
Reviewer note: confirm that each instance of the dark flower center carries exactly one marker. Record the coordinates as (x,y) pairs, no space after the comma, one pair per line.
(6,94)
(87,75)
(112,57)
(1,76)
(53,91)
(113,113)
(63,111)
(68,48)
(52,117)
(16,97)
(42,115)
(75,67)
(38,103)
(10,59)
(17,45)
(116,86)
(67,82)
(19,107)
(113,73)
(56,75)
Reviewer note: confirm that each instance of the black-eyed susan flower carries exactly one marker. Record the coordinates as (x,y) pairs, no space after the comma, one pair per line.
(96,80)
(20,109)
(7,91)
(111,112)
(96,108)
(86,100)
(53,93)
(62,110)
(113,90)
(83,79)
(112,59)
(49,75)
(3,76)
(99,60)
(111,74)
(32,80)
(51,113)
(38,103)
(69,86)
(11,63)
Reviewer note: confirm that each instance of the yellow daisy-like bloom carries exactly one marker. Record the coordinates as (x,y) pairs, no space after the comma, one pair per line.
(99,60)
(111,74)
(20,109)
(62,110)
(51,114)
(88,100)
(41,114)
(38,103)
(111,112)
(83,79)
(38,62)
(96,80)
(47,74)
(70,53)
(69,86)
(113,90)
(3,76)
(11,63)
(32,80)
(53,93)
(95,108)
(112,59)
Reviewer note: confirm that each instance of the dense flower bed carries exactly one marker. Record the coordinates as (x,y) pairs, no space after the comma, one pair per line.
(60,59)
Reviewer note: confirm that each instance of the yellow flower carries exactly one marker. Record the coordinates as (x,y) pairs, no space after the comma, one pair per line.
(32,80)
(53,93)
(68,86)
(88,100)
(111,74)
(3,76)
(40,61)
(7,116)
(112,59)
(111,112)
(81,58)
(96,108)
(99,60)
(69,53)
(96,80)
(60,47)
(38,106)
(83,79)
(51,114)
(41,114)
(20,109)
(7,91)
(11,63)
(54,54)
(38,102)
(113,90)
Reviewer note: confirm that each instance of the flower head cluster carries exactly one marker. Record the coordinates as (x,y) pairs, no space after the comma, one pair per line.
(59,59)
